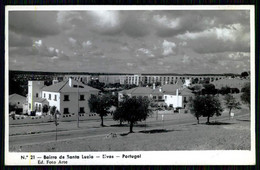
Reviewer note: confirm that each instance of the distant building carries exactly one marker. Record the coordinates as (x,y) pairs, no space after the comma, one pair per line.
(174,96)
(68,96)
(18,100)
(144,79)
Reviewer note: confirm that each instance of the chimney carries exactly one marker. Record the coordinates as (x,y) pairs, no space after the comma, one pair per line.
(55,81)
(177,92)
(70,82)
(153,86)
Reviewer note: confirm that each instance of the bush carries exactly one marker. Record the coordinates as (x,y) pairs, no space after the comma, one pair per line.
(33,113)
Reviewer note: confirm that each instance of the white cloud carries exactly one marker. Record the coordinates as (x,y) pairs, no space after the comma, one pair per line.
(186,59)
(228,33)
(146,51)
(86,44)
(72,41)
(38,43)
(165,21)
(160,63)
(106,18)
(130,64)
(168,47)
(184,43)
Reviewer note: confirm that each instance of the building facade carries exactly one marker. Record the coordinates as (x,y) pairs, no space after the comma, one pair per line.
(69,96)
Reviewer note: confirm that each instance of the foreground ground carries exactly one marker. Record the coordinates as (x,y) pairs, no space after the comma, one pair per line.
(226,134)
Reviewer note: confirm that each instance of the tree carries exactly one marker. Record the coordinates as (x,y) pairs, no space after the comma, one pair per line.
(45,108)
(96,84)
(12,110)
(244,74)
(158,84)
(100,104)
(206,106)
(12,107)
(133,110)
(54,112)
(245,97)
(195,81)
(231,103)
(225,90)
(209,89)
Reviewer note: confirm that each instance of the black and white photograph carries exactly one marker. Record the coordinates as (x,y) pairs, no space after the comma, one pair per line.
(124,85)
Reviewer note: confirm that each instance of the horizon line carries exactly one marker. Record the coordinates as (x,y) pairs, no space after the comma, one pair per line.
(111,73)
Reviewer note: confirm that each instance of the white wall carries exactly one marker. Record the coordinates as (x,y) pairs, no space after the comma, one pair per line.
(51,101)
(176,101)
(33,88)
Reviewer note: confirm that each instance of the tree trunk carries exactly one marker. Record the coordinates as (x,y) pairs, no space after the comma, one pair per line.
(120,122)
(230,113)
(131,127)
(208,120)
(102,121)
(198,120)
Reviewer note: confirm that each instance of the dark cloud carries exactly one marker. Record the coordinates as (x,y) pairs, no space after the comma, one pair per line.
(18,40)
(172,23)
(34,23)
(136,25)
(130,41)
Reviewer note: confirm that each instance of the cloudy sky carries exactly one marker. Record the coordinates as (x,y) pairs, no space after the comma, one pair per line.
(165,41)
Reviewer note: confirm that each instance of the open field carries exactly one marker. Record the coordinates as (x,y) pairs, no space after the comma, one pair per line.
(224,135)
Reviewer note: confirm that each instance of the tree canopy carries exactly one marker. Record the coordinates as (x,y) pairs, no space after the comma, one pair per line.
(100,104)
(209,89)
(244,74)
(245,97)
(45,108)
(231,103)
(132,109)
(206,106)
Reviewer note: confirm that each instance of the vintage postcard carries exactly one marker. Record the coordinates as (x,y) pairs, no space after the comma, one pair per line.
(130,85)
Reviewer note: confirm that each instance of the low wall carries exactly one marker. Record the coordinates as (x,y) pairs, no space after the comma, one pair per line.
(48,118)
(29,120)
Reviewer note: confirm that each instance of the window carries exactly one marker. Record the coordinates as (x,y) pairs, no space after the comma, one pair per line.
(66,111)
(66,97)
(55,97)
(44,95)
(160,97)
(40,107)
(165,97)
(81,97)
(154,97)
(30,105)
(81,110)
(37,94)
(36,107)
(49,96)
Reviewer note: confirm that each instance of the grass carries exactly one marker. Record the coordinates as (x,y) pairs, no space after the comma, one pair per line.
(228,135)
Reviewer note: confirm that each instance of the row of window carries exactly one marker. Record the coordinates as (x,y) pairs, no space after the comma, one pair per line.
(159,97)
(66,110)
(66,97)
(81,98)
(49,97)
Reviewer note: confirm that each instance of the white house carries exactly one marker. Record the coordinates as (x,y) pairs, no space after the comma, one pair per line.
(173,99)
(69,96)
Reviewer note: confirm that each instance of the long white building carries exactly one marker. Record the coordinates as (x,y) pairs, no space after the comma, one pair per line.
(69,96)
